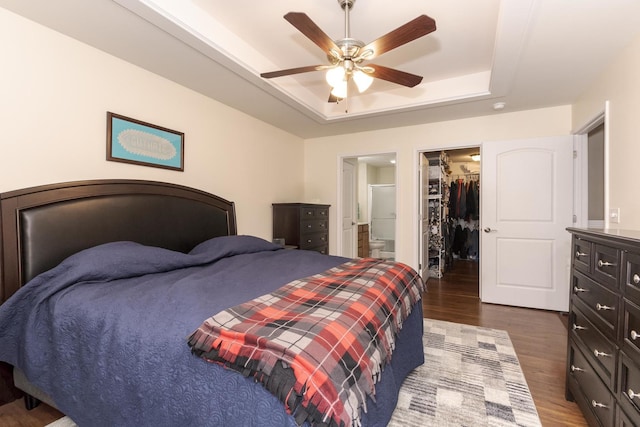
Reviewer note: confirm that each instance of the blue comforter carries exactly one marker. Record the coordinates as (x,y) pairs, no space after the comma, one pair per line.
(104,334)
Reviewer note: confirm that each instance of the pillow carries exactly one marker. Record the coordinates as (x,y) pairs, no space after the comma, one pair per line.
(233,245)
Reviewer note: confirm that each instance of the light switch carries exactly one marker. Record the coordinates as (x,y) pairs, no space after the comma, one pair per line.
(614,215)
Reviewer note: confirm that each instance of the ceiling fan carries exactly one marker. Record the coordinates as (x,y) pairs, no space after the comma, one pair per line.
(347,55)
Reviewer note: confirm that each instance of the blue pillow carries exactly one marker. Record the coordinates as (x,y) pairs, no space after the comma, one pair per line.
(233,245)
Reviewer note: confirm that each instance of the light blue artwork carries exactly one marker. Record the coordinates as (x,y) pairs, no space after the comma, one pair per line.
(137,142)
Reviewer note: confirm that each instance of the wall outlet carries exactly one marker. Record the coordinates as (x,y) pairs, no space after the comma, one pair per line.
(614,215)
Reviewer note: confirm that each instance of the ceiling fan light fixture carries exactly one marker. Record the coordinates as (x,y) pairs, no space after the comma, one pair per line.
(340,90)
(335,76)
(362,79)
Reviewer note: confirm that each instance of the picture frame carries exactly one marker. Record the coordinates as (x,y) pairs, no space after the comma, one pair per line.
(140,143)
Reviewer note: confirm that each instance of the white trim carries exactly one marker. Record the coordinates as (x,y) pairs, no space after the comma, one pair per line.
(581,186)
(580,180)
(607,145)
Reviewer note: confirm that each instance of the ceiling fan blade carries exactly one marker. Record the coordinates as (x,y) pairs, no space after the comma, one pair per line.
(306,26)
(291,71)
(333,99)
(410,31)
(394,76)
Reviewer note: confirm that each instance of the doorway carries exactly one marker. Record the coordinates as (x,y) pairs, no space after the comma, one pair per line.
(450,216)
(376,171)
(525,209)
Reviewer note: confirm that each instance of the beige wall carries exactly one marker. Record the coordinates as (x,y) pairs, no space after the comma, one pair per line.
(55,93)
(322,157)
(620,85)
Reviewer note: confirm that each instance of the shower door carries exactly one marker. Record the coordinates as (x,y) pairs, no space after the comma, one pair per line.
(382,214)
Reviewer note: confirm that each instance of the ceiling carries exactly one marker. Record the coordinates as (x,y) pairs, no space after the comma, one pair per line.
(526,54)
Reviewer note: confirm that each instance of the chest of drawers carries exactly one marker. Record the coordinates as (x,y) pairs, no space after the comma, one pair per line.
(603,349)
(304,225)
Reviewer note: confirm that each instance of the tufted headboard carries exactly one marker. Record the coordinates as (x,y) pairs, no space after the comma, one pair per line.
(41,226)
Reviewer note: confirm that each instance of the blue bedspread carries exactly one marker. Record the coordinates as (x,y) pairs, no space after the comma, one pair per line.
(104,334)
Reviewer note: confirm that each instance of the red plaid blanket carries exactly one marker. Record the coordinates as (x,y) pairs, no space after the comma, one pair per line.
(319,343)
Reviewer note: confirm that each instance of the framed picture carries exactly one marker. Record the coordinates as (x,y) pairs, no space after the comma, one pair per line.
(140,143)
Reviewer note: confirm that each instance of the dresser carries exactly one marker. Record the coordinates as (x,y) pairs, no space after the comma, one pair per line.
(304,225)
(603,346)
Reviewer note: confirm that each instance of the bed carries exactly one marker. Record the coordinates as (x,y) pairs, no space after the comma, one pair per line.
(103,282)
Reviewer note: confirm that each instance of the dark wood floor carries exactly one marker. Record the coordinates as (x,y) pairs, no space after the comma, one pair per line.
(539,338)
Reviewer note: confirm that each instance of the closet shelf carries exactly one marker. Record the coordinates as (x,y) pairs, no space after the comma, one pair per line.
(437,213)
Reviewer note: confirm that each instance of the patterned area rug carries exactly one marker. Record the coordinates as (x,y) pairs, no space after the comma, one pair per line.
(471,377)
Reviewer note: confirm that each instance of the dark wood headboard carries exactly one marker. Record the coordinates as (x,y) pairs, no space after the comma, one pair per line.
(41,226)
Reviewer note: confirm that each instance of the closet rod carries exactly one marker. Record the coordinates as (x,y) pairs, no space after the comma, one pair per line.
(466,175)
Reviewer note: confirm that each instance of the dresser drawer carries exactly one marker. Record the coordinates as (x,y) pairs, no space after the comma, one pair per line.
(622,420)
(629,387)
(631,328)
(597,397)
(631,275)
(582,254)
(606,266)
(314,212)
(313,226)
(600,350)
(312,240)
(603,304)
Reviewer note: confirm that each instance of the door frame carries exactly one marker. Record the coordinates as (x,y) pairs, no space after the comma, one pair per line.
(417,219)
(339,191)
(581,166)
(353,163)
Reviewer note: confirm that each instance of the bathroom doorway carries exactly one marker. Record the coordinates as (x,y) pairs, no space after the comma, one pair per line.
(371,171)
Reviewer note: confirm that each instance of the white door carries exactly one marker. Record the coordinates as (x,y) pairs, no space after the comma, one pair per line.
(424,217)
(348,210)
(526,205)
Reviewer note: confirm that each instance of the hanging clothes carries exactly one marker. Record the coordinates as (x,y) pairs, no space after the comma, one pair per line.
(453,191)
(464,214)
(472,201)
(460,196)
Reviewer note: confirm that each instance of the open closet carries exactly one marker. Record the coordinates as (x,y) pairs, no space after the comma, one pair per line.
(451,210)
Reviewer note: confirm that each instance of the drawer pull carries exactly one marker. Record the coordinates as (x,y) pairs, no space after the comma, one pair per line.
(309,226)
(603,307)
(577,289)
(598,404)
(576,369)
(634,335)
(605,263)
(600,353)
(578,327)
(632,395)
(636,279)
(579,254)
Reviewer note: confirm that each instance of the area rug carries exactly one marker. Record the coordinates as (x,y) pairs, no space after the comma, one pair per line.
(471,377)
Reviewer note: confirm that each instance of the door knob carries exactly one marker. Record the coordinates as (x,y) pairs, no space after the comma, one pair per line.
(488,230)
